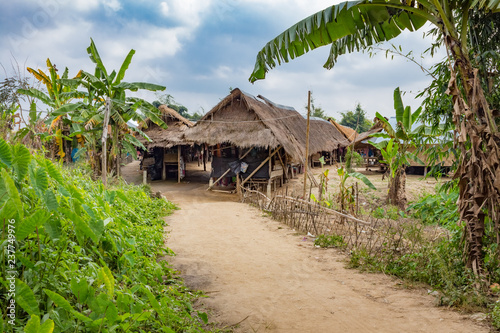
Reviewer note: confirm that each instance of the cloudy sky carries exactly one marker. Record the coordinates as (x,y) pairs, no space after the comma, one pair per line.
(199,49)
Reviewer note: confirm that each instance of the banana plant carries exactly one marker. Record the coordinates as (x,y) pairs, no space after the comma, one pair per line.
(398,147)
(346,197)
(58,95)
(355,25)
(102,86)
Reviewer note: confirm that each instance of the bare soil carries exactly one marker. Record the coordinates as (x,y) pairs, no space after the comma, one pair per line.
(261,276)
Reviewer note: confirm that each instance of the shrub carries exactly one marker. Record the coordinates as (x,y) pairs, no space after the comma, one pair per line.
(325,241)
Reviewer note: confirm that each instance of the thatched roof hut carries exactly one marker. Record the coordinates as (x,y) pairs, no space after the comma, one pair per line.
(349,133)
(247,121)
(173,135)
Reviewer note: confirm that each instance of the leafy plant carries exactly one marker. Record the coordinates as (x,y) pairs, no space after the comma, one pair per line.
(346,200)
(395,149)
(325,241)
(86,256)
(353,158)
(440,208)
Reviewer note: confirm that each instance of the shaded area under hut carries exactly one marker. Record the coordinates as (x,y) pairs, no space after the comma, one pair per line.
(256,142)
(168,151)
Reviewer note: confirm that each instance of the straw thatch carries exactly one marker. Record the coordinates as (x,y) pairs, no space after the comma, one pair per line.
(376,128)
(247,121)
(349,133)
(173,135)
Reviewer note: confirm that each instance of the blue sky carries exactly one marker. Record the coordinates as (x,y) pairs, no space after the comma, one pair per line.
(199,49)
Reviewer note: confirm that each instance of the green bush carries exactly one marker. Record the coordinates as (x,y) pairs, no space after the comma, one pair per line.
(353,158)
(325,241)
(85,257)
(440,208)
(495,315)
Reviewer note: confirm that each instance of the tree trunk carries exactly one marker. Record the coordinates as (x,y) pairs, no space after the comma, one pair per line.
(478,140)
(397,189)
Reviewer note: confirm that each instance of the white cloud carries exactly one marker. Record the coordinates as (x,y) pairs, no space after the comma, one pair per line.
(114,5)
(164,8)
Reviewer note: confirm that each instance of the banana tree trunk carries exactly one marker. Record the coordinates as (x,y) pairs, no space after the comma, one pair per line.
(397,189)
(478,140)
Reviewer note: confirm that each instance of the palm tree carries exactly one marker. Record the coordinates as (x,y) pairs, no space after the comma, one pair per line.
(354,25)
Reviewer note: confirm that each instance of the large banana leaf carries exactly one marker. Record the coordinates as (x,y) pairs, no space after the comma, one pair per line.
(124,67)
(348,26)
(96,58)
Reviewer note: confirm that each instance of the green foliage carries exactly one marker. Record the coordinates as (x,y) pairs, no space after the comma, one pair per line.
(353,158)
(495,315)
(440,208)
(356,119)
(325,241)
(389,212)
(87,256)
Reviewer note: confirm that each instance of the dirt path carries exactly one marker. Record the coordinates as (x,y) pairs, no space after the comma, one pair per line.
(263,274)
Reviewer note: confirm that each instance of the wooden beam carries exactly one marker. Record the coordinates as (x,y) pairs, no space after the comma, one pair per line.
(260,166)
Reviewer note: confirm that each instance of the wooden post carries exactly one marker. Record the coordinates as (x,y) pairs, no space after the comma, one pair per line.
(307,143)
(164,167)
(179,164)
(104,140)
(205,157)
(144,176)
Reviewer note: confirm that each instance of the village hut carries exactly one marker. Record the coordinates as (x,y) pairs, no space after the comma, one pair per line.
(262,141)
(167,151)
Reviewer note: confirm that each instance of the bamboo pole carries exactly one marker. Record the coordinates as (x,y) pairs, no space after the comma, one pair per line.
(307,143)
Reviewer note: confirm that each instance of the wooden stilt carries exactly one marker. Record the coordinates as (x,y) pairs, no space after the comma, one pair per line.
(178,164)
(164,167)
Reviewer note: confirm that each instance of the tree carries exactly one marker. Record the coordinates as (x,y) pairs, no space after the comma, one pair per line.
(396,151)
(356,119)
(355,25)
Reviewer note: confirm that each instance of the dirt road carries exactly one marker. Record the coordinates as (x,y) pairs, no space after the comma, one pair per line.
(266,277)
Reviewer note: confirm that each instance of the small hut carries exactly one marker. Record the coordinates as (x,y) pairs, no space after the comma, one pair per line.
(262,141)
(167,151)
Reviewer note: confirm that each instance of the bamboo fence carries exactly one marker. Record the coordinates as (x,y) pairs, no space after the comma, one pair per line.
(378,237)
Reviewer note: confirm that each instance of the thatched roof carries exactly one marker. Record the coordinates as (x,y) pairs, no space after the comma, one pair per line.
(173,135)
(376,128)
(247,121)
(349,133)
